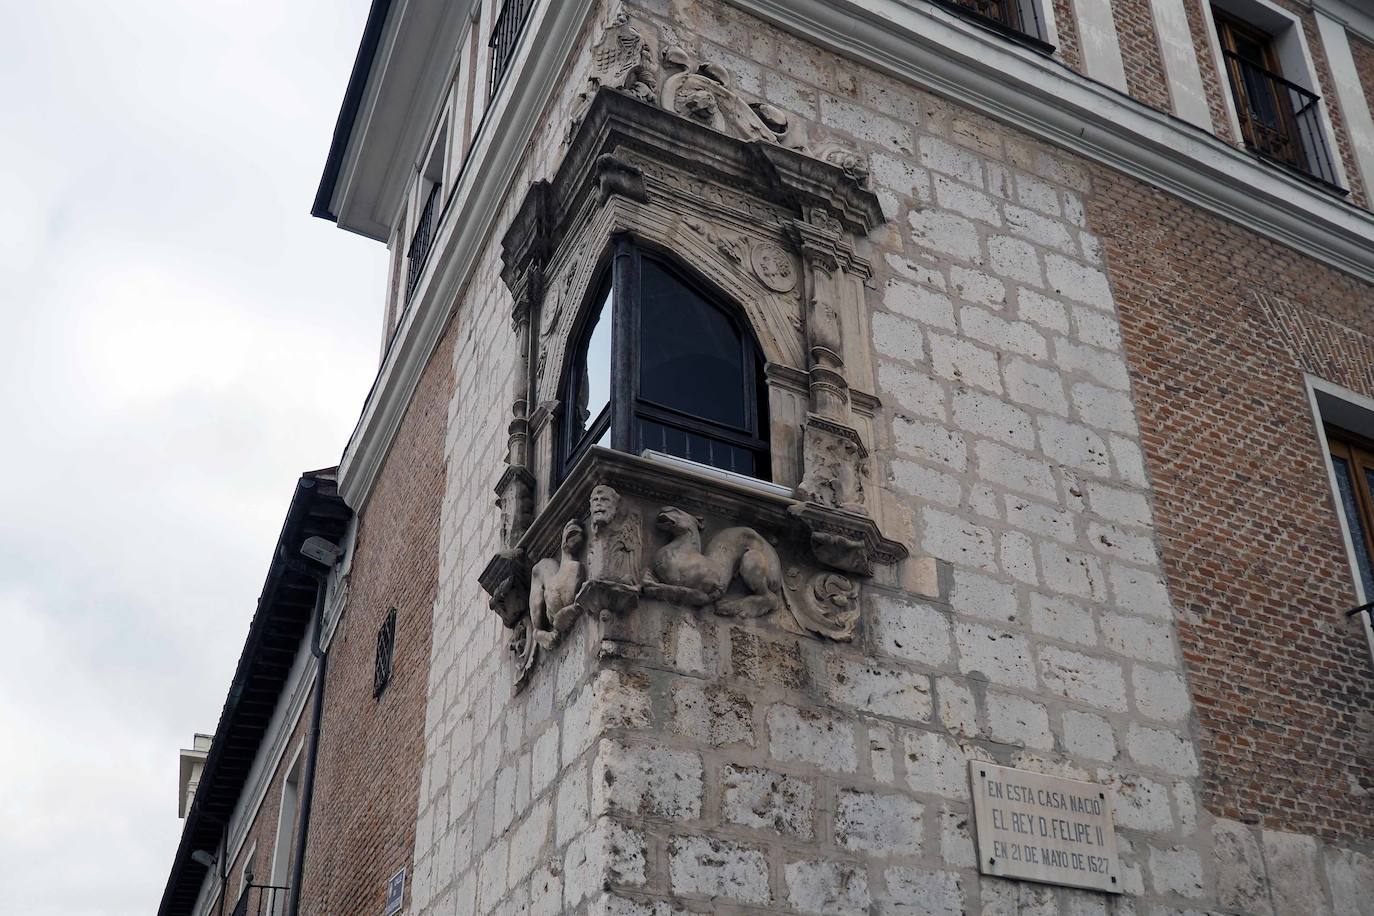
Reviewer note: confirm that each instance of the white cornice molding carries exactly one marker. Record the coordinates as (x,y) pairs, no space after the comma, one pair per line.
(1026,90)
(499,150)
(1357,21)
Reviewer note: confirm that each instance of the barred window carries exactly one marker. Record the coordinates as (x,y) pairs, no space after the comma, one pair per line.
(386,650)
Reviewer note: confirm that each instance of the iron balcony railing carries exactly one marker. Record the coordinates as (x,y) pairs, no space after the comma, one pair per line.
(261,900)
(422,241)
(504,36)
(1280,120)
(1005,16)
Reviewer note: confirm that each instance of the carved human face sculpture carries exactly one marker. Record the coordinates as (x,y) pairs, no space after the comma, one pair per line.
(605,503)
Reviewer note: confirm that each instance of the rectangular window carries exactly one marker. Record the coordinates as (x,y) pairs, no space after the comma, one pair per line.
(1352,460)
(1024,20)
(1280,119)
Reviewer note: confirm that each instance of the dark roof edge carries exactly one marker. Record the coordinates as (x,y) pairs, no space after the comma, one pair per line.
(348,112)
(307,493)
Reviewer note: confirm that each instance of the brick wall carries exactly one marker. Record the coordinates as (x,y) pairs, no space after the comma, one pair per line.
(1326,88)
(1363,52)
(372,750)
(1067,26)
(259,843)
(1135,31)
(1215,82)
(1246,521)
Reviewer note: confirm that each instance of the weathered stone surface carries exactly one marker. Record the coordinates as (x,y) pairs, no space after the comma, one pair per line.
(879,824)
(885,691)
(653,781)
(1177,870)
(715,715)
(1241,882)
(810,737)
(1350,875)
(718,868)
(762,799)
(917,892)
(1291,864)
(1001,656)
(827,888)
(911,631)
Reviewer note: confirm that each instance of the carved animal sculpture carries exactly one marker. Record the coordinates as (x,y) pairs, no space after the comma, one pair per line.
(553,589)
(682,572)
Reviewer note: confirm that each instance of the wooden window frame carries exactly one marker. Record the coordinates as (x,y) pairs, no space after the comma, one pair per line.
(1358,453)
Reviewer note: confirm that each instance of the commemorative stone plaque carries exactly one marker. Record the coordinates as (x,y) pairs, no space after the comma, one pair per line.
(1044,828)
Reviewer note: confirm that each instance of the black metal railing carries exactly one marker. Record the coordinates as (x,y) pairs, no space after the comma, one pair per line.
(1280,120)
(422,241)
(1004,15)
(262,900)
(504,36)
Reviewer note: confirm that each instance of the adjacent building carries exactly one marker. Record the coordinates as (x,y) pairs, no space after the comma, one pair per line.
(827,457)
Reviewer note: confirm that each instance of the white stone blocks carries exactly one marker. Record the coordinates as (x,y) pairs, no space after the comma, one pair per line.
(880,824)
(1019,721)
(647,781)
(1291,861)
(1088,735)
(911,631)
(763,800)
(926,305)
(1078,282)
(1162,750)
(1002,656)
(827,888)
(1015,471)
(1083,678)
(806,736)
(918,892)
(881,690)
(714,867)
(1241,882)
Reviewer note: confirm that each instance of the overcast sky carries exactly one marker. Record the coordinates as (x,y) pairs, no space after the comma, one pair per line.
(180,340)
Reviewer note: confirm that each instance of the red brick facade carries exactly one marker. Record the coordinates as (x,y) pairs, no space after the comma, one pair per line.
(1219,326)
(1067,26)
(1363,52)
(372,750)
(1135,29)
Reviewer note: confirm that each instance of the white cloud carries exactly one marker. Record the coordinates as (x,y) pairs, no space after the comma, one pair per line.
(180,341)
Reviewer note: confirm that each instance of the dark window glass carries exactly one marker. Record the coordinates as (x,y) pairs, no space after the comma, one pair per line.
(665,368)
(692,355)
(1354,467)
(386,650)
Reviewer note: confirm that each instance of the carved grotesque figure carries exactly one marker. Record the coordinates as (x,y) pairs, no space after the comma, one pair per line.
(553,589)
(681,572)
(835,470)
(616,535)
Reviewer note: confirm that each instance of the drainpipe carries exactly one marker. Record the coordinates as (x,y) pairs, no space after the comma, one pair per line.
(320,572)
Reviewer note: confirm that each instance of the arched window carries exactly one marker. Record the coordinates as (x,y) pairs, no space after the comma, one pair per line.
(659,363)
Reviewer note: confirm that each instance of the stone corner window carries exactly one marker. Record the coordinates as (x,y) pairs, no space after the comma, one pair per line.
(660,363)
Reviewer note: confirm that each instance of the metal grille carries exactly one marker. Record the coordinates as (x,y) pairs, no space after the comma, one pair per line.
(1280,119)
(261,900)
(386,651)
(422,241)
(505,35)
(1009,14)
